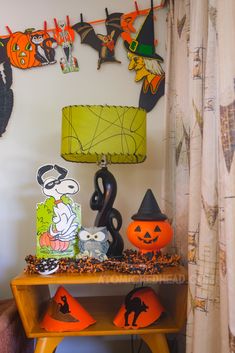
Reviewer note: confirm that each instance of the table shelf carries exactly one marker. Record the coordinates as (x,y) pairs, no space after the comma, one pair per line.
(32,295)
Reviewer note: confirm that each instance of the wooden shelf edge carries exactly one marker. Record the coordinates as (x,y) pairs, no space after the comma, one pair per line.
(176,275)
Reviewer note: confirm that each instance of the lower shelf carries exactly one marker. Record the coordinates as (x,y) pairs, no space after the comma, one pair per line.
(104,309)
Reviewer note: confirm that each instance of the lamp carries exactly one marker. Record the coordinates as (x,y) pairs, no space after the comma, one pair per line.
(103,135)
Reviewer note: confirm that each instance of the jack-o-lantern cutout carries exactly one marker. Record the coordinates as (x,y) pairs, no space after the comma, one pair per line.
(150,231)
(22,52)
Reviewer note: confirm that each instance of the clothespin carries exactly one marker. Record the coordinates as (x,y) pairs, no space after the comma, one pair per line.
(56,23)
(68,21)
(137,7)
(45,26)
(107,14)
(8,30)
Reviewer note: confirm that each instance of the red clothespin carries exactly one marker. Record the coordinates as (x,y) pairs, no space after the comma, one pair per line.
(137,7)
(68,21)
(56,23)
(45,26)
(8,30)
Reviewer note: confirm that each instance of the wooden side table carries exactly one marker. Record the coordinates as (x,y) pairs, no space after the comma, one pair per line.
(31,293)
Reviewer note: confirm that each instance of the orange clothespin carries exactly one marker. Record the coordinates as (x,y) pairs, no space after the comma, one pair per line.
(8,30)
(56,23)
(45,26)
(68,21)
(137,7)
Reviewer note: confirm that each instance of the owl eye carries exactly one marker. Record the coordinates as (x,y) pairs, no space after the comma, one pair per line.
(99,236)
(84,235)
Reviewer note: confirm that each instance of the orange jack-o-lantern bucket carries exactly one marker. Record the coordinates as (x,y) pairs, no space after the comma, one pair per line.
(140,309)
(150,231)
(64,313)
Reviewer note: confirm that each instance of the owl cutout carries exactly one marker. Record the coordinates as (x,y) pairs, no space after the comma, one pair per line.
(93,242)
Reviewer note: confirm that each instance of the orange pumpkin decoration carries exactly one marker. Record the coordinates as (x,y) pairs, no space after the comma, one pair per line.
(149,236)
(149,231)
(47,240)
(21,51)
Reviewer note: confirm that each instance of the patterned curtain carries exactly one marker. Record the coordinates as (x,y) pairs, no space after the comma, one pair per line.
(199,188)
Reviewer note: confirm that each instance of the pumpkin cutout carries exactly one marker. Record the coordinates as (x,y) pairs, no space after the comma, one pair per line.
(149,236)
(21,51)
(150,231)
(48,241)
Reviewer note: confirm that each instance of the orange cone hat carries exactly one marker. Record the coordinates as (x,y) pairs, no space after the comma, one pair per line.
(64,313)
(141,309)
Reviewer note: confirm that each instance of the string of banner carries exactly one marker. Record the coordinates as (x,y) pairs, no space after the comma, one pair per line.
(36,48)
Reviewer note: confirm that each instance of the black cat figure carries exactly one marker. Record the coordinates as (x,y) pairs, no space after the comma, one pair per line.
(135,305)
(64,308)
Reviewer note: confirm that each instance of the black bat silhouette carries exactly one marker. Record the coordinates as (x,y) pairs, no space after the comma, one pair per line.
(104,44)
(6,93)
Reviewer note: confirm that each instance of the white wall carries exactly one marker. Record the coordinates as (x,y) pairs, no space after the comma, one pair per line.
(33,134)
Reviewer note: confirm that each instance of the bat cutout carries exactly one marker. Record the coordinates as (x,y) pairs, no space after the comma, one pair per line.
(104,44)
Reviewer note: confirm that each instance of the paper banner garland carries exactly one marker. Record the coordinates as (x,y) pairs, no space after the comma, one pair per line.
(64,36)
(6,93)
(147,64)
(58,217)
(37,48)
(104,44)
(65,313)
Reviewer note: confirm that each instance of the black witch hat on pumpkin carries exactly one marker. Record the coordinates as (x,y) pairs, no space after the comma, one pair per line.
(143,45)
(149,209)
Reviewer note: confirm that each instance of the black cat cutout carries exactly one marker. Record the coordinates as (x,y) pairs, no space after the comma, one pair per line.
(64,308)
(134,305)
(104,44)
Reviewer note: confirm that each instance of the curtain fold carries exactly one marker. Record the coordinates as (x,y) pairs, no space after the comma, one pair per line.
(199,181)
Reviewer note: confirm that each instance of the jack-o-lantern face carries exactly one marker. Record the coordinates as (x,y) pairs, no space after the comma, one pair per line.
(149,235)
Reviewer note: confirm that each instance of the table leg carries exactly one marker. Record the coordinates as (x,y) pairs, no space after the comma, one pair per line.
(47,344)
(157,342)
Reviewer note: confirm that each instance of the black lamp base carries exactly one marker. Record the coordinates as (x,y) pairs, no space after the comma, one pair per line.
(102,201)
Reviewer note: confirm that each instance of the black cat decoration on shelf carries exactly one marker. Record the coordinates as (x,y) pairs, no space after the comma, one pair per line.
(141,308)
(64,307)
(134,305)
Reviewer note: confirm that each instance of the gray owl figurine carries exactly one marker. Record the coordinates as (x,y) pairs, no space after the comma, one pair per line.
(93,242)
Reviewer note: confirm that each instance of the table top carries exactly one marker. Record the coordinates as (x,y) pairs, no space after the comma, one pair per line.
(175,274)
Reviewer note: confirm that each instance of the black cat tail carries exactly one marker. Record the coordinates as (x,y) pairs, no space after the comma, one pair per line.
(6,105)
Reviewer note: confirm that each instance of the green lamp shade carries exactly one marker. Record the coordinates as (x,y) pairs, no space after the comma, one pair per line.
(90,132)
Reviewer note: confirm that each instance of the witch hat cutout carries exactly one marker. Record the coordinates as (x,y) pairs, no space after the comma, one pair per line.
(143,45)
(149,209)
(65,313)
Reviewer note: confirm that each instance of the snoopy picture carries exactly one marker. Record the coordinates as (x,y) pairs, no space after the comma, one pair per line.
(58,217)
